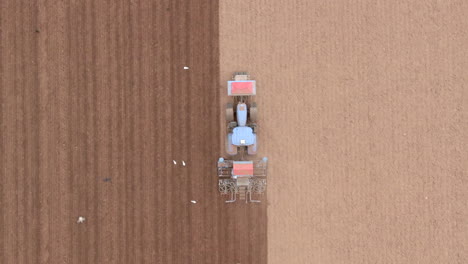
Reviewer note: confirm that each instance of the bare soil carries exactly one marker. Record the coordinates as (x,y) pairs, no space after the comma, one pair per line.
(363,115)
(95,105)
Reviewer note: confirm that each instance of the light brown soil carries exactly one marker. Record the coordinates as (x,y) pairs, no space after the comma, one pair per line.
(96,89)
(363,114)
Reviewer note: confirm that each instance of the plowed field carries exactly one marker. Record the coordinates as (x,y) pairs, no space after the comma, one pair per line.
(95,106)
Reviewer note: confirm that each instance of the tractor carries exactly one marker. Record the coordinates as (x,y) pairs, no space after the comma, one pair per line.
(236,176)
(241,116)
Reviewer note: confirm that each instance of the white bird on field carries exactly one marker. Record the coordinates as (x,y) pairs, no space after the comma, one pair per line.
(193,201)
(175,162)
(186,67)
(81,220)
(183,163)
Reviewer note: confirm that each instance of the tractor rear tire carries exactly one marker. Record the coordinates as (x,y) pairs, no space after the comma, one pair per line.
(230,148)
(252,149)
(253,112)
(229,113)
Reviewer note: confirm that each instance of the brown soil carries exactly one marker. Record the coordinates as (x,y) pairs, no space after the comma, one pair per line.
(96,89)
(363,114)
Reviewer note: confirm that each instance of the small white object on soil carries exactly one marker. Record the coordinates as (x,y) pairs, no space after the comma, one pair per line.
(186,67)
(183,163)
(81,220)
(193,201)
(175,162)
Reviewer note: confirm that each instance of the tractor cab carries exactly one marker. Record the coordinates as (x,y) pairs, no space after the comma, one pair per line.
(243,136)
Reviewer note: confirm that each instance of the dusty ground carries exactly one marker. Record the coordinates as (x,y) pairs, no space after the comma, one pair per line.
(363,111)
(96,89)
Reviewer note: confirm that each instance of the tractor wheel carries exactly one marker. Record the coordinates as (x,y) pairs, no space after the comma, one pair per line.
(230,148)
(252,149)
(229,113)
(253,112)
(254,127)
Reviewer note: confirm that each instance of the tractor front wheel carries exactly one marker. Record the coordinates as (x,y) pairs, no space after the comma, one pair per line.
(229,113)
(253,112)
